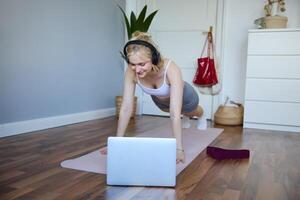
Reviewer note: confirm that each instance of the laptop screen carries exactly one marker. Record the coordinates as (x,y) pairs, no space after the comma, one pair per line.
(141,161)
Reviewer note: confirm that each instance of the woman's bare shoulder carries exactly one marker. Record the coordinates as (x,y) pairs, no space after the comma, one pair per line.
(173,72)
(172,65)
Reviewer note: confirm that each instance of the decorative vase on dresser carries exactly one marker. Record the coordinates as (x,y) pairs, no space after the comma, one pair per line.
(272,95)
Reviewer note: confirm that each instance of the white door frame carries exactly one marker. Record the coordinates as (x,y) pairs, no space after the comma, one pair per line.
(131,5)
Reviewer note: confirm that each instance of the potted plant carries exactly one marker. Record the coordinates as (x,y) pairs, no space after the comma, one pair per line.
(273,19)
(135,23)
(140,23)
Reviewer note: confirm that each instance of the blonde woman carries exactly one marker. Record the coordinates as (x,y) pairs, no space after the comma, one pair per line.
(161,78)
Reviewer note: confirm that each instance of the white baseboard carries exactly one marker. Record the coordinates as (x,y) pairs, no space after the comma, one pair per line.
(15,128)
(272,127)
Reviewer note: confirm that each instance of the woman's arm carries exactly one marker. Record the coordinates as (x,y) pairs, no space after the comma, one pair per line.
(176,83)
(127,103)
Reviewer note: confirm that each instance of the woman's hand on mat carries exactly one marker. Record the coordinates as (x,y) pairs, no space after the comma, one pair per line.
(180,156)
(103,151)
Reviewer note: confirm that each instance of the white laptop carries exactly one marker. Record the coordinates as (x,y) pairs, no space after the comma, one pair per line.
(141,161)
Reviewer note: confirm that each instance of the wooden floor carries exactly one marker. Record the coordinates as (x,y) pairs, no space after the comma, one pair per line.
(29,166)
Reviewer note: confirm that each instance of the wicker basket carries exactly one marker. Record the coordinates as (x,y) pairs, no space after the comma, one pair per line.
(229,115)
(119,100)
(276,22)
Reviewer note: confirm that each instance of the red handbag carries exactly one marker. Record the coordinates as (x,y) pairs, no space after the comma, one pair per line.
(206,72)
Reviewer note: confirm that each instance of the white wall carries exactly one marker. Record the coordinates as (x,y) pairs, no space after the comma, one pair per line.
(239,16)
(56,61)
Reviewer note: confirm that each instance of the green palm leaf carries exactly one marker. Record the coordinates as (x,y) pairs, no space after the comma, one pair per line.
(138,23)
(132,22)
(127,23)
(141,17)
(148,21)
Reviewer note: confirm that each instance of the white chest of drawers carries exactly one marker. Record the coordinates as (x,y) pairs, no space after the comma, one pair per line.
(272,96)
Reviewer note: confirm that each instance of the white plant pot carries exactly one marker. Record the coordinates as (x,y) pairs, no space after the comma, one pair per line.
(275,9)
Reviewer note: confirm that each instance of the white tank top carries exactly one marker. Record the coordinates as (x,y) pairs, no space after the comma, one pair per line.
(163,90)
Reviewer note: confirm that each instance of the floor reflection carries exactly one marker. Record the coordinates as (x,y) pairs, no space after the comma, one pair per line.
(123,193)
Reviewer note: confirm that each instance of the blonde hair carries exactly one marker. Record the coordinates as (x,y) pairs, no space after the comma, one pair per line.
(133,48)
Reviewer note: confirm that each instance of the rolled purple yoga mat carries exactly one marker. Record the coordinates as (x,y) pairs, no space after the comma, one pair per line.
(221,154)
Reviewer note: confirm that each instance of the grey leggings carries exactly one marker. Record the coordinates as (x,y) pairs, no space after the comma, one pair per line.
(190,100)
